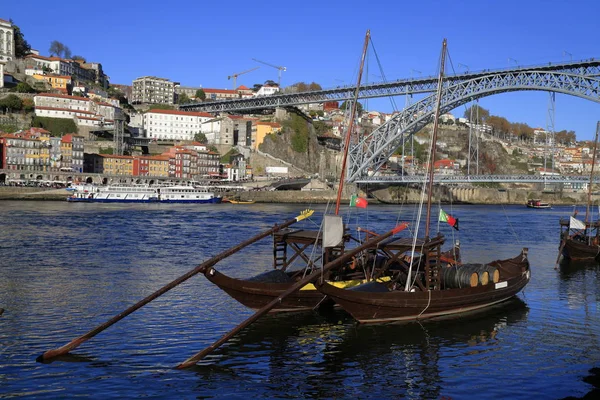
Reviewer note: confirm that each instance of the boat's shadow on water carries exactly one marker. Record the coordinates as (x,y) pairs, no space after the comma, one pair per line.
(342,340)
(569,269)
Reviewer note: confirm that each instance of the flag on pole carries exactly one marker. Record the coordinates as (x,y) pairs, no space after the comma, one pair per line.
(453,222)
(576,224)
(359,202)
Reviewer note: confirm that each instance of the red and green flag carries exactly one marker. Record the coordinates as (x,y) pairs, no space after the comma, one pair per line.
(359,202)
(444,217)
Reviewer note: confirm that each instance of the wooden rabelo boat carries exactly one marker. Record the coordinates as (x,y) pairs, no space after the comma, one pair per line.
(430,288)
(580,240)
(292,245)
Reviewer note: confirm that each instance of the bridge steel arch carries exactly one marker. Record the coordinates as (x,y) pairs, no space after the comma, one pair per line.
(400,87)
(372,151)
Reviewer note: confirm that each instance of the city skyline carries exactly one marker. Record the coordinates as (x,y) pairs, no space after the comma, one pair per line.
(201,45)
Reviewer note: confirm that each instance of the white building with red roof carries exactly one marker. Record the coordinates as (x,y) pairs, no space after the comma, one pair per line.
(174,124)
(84,111)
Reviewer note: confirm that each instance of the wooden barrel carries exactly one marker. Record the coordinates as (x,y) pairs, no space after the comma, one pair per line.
(493,273)
(461,276)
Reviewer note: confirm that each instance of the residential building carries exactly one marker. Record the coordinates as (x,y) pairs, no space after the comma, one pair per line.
(59,82)
(221,94)
(263,129)
(84,111)
(235,130)
(174,125)
(267,90)
(153,90)
(22,152)
(71,146)
(7,46)
(187,90)
(151,166)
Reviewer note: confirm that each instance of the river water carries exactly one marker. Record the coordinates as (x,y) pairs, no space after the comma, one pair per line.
(66,268)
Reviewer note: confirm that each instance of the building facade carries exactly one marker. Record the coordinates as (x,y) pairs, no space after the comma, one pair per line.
(7,46)
(174,125)
(152,90)
(84,111)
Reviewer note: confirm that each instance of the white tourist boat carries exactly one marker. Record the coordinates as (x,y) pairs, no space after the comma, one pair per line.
(141,194)
(187,194)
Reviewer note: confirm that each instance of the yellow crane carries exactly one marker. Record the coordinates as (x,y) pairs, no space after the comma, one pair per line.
(234,76)
(280,68)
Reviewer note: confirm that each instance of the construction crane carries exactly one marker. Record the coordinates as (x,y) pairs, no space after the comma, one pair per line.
(280,68)
(234,76)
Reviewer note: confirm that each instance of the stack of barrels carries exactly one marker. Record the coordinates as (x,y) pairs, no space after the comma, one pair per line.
(469,275)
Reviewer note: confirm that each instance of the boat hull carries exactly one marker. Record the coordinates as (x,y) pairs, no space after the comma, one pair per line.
(383,305)
(109,200)
(214,200)
(255,295)
(576,250)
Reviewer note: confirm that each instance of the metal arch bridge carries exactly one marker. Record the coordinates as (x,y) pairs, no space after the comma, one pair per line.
(372,151)
(588,68)
(452,179)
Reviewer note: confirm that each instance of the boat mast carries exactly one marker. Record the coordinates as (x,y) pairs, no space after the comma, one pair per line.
(351,123)
(589,199)
(436,118)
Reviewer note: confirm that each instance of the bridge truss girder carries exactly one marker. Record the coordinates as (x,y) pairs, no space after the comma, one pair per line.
(456,179)
(401,87)
(372,151)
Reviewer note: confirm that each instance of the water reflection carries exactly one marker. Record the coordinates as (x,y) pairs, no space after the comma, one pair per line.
(348,358)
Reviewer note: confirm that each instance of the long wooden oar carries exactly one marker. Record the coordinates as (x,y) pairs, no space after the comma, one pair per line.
(48,355)
(562,245)
(301,283)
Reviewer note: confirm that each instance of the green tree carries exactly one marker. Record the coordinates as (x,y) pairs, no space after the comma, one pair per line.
(498,124)
(11,103)
(201,138)
(522,131)
(479,116)
(78,58)
(22,48)
(28,105)
(59,49)
(565,137)
(359,108)
(23,87)
(200,94)
(183,99)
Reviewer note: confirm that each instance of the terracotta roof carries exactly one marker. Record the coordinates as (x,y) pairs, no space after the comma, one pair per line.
(271,124)
(177,112)
(63,96)
(90,118)
(228,91)
(243,88)
(3,20)
(63,109)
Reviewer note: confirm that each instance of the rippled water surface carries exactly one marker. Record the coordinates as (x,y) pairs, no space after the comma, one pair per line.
(66,268)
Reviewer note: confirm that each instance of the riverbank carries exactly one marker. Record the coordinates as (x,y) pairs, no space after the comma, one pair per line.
(395,195)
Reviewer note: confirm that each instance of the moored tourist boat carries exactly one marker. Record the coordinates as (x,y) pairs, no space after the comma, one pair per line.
(537,203)
(113,194)
(187,194)
(141,194)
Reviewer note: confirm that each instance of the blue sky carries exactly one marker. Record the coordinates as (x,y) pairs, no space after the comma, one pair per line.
(202,43)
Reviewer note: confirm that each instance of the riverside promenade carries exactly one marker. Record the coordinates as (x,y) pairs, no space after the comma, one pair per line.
(459,195)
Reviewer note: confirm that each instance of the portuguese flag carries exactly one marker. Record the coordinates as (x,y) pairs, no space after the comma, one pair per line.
(359,202)
(453,222)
